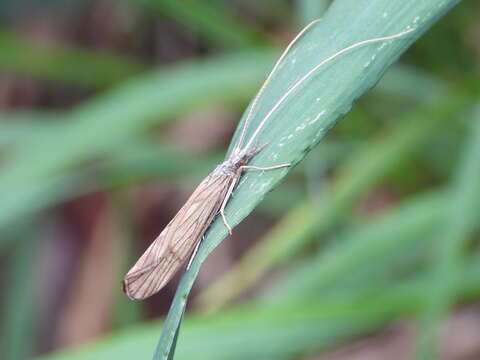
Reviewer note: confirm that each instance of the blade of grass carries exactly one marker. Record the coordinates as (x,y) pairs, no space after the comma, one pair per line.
(21,126)
(18,301)
(309,10)
(315,109)
(145,161)
(409,83)
(114,118)
(363,170)
(137,162)
(211,19)
(280,331)
(459,224)
(140,162)
(64,64)
(414,221)
(130,105)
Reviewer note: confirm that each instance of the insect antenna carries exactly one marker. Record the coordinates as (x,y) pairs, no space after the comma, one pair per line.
(312,71)
(260,92)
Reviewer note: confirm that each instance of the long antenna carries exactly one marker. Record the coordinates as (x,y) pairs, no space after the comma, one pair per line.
(260,92)
(308,74)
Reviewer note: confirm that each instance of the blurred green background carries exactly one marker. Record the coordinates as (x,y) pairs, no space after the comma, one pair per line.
(113,111)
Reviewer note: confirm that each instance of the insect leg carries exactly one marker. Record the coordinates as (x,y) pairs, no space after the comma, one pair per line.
(194,253)
(234,182)
(266,168)
(224,203)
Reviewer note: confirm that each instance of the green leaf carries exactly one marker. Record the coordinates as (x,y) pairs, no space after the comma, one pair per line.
(18,330)
(113,120)
(365,168)
(137,161)
(212,20)
(310,10)
(64,64)
(459,225)
(273,332)
(408,223)
(309,112)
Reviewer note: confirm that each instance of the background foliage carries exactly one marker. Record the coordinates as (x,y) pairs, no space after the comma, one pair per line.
(113,111)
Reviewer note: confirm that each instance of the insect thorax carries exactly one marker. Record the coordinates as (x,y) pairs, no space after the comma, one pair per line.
(237,159)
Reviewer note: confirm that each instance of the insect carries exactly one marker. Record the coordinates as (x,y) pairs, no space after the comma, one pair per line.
(181,237)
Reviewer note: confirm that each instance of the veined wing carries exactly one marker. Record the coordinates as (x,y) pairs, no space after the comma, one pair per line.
(172,248)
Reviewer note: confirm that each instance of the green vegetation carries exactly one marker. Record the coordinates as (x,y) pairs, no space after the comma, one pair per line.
(330,269)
